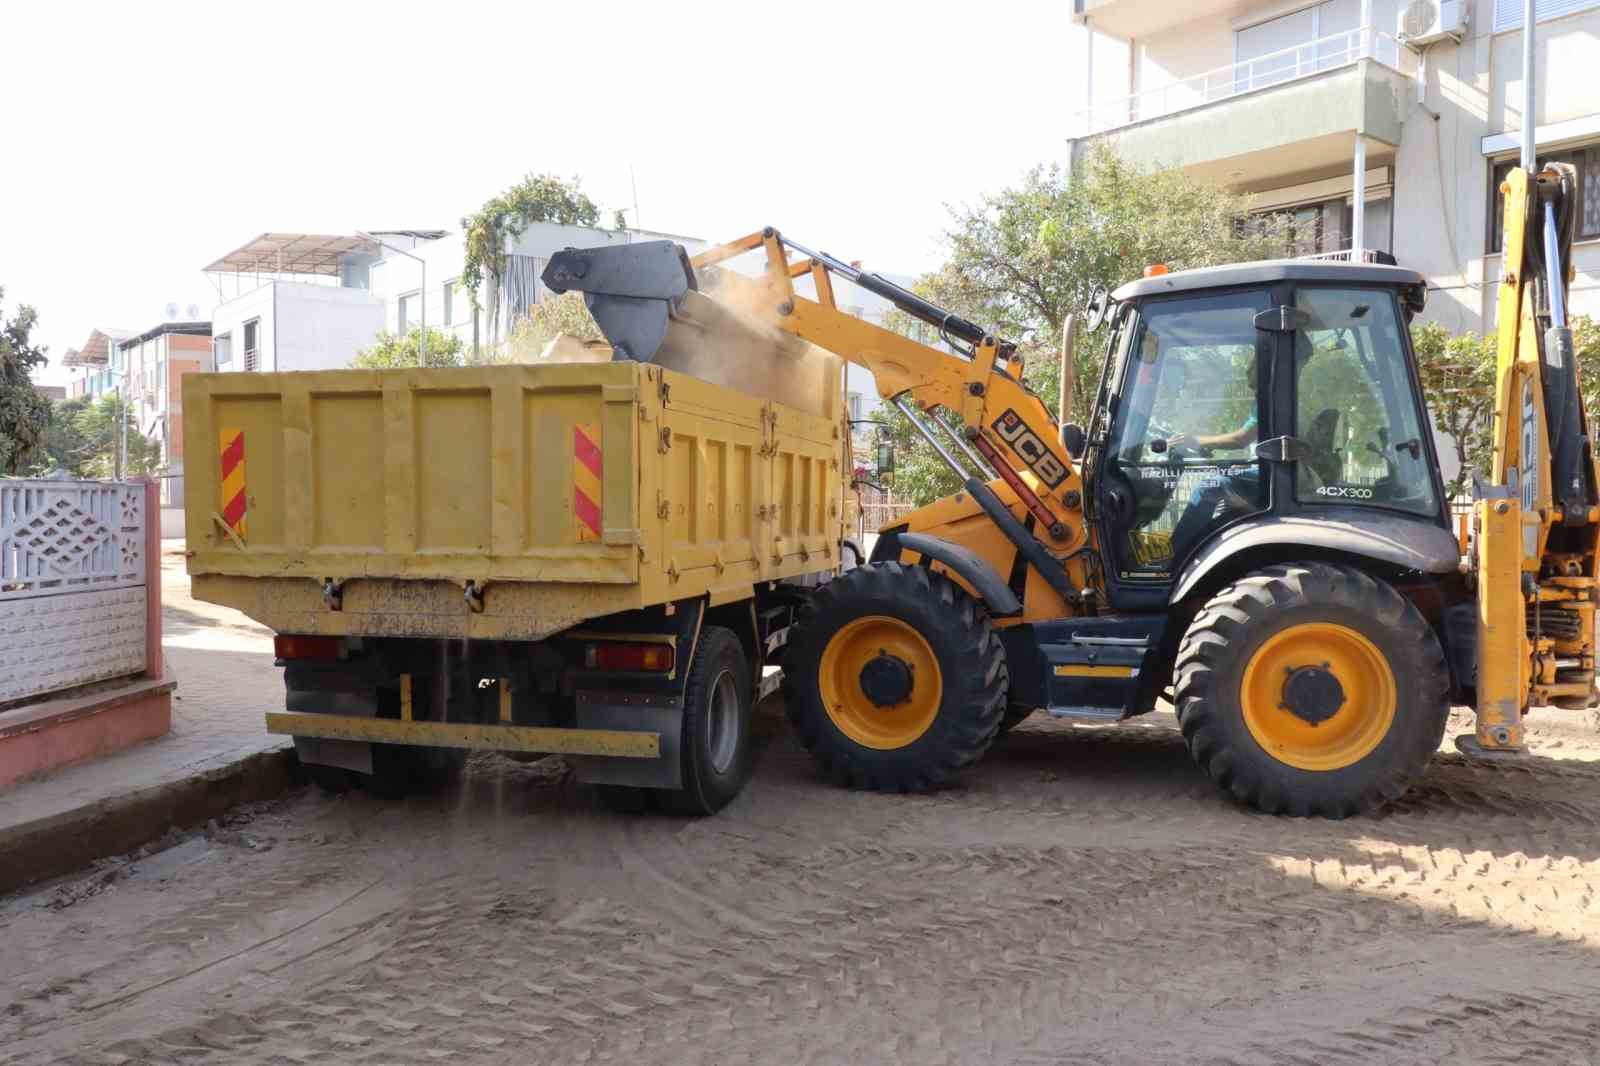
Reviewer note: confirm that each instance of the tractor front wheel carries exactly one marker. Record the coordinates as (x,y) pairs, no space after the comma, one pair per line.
(893,678)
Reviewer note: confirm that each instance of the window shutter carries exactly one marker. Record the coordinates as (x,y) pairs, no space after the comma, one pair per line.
(1508,13)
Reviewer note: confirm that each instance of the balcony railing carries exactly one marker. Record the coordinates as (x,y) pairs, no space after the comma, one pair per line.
(1275,68)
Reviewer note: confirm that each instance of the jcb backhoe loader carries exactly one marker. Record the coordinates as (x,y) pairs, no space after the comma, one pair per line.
(1251,522)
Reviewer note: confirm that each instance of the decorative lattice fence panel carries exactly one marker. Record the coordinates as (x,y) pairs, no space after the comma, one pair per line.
(59,537)
(72,584)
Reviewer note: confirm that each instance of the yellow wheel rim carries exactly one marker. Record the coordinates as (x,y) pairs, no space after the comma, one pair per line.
(1299,660)
(839,679)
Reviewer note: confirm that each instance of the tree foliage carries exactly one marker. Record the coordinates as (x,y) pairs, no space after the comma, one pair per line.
(566,313)
(1458,381)
(1022,259)
(536,198)
(24,412)
(392,350)
(1457,375)
(84,438)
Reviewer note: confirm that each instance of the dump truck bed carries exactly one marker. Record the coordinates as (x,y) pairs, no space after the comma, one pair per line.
(498,502)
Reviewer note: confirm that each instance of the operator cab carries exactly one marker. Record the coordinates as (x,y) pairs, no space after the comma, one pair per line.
(1252,393)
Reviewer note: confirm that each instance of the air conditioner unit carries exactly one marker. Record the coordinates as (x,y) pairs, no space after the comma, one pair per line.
(1424,22)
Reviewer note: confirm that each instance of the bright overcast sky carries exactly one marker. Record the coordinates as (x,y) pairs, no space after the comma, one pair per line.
(145,140)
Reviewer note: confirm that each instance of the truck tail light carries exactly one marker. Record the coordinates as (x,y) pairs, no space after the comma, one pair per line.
(628,657)
(289,647)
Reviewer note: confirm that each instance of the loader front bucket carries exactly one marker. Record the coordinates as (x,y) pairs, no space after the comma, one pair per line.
(632,290)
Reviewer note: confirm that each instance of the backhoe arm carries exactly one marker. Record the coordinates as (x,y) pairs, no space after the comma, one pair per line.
(1538,523)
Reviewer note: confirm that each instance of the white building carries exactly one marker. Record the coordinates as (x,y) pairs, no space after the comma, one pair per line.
(294,301)
(1376,124)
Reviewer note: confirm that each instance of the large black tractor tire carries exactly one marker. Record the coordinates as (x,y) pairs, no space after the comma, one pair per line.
(1014,715)
(1312,690)
(714,750)
(893,678)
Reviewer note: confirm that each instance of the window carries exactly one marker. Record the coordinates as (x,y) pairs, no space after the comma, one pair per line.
(406,318)
(222,350)
(252,352)
(1586,160)
(856,407)
(1180,464)
(1508,13)
(1308,229)
(1355,407)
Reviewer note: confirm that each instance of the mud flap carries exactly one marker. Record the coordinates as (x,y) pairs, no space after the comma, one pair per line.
(319,751)
(651,713)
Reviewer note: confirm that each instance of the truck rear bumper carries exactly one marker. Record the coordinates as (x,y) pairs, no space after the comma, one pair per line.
(616,743)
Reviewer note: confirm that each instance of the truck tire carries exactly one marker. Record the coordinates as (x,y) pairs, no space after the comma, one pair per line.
(714,750)
(1311,689)
(401,770)
(893,679)
(330,779)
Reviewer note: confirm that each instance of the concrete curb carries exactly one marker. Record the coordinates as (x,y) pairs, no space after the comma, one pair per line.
(61,843)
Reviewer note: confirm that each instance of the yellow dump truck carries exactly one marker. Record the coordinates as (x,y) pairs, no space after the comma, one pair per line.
(597,559)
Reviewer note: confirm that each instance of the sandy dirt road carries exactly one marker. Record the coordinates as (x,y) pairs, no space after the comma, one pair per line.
(1084,896)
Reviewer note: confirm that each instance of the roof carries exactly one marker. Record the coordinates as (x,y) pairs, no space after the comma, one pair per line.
(96,351)
(191,329)
(292,253)
(1266,271)
(418,234)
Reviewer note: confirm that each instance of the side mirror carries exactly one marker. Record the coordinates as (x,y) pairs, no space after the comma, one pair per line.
(1073,440)
(885,457)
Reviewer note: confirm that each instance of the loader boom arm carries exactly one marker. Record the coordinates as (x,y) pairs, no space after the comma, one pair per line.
(1008,429)
(1008,437)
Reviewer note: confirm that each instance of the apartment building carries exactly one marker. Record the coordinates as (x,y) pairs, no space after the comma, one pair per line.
(294,301)
(1377,125)
(90,364)
(152,364)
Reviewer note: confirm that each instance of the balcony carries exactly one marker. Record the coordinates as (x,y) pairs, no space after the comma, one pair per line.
(1293,110)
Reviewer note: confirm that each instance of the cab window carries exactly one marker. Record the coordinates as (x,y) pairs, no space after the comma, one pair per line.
(1355,407)
(1181,461)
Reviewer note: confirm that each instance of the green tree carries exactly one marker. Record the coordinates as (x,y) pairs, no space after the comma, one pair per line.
(1457,373)
(394,350)
(99,425)
(536,198)
(1586,345)
(24,413)
(566,313)
(64,447)
(1022,259)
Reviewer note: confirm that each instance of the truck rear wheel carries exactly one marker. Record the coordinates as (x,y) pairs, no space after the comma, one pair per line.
(714,750)
(893,679)
(401,770)
(1311,689)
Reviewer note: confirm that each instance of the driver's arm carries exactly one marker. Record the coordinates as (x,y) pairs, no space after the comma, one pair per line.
(1241,436)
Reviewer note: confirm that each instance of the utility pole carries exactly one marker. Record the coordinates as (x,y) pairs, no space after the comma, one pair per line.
(1527,85)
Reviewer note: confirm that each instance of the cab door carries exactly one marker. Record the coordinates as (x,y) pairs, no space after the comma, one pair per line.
(1192,399)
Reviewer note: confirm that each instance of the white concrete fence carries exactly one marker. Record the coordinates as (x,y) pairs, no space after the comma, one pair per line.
(74,602)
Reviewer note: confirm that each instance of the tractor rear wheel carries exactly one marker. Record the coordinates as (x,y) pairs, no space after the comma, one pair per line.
(893,678)
(1311,689)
